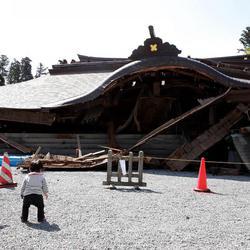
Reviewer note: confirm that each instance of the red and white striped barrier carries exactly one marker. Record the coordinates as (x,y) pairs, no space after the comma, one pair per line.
(6,179)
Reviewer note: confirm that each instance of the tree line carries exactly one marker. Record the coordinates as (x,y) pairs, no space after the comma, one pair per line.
(18,71)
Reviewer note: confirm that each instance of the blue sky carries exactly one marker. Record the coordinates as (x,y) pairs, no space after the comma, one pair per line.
(48,30)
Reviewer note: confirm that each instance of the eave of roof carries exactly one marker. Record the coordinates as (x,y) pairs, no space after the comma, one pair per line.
(157,63)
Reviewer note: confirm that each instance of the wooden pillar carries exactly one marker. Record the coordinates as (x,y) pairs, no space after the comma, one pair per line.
(109,167)
(140,167)
(111,135)
(157,88)
(79,150)
(130,166)
(119,171)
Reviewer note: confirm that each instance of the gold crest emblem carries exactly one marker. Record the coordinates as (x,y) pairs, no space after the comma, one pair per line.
(153,47)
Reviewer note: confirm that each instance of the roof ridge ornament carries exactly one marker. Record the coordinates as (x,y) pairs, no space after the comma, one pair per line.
(154,46)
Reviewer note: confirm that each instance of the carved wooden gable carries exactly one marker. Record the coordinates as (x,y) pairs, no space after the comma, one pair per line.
(154,46)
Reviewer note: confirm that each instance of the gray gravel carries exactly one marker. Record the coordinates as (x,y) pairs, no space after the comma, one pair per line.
(167,214)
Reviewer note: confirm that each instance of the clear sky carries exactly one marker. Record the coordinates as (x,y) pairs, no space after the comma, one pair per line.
(48,30)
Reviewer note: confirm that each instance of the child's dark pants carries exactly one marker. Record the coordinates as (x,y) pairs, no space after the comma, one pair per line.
(36,200)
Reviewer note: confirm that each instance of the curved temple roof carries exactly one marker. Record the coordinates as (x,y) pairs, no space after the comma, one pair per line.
(46,90)
(58,90)
(161,63)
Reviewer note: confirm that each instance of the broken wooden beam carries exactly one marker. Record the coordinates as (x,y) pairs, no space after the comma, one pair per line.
(89,155)
(192,150)
(15,145)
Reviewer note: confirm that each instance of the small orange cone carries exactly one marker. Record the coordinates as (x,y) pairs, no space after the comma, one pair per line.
(6,179)
(202,178)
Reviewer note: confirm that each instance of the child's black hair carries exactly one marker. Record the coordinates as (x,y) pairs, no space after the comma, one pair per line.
(36,166)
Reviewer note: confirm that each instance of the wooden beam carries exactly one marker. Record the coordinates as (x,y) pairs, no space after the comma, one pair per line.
(214,134)
(27,116)
(15,145)
(111,135)
(240,96)
(196,75)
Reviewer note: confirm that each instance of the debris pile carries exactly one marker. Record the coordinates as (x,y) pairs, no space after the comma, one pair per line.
(51,161)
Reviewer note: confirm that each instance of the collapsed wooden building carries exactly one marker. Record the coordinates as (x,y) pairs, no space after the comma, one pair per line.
(168,106)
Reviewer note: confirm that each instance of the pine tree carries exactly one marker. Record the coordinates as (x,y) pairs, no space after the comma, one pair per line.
(26,67)
(245,40)
(41,70)
(2,80)
(14,72)
(4,62)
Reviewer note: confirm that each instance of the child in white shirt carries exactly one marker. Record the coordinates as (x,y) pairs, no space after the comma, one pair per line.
(33,188)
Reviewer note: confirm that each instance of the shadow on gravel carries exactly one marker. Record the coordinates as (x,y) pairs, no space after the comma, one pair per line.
(44,226)
(217,193)
(3,226)
(245,177)
(135,190)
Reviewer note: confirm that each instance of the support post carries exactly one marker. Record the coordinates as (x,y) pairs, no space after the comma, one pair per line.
(119,171)
(109,167)
(140,167)
(130,166)
(78,146)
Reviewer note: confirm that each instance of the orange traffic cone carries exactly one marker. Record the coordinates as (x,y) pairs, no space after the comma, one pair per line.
(202,178)
(6,179)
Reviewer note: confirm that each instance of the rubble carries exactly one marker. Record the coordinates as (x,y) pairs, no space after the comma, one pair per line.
(51,161)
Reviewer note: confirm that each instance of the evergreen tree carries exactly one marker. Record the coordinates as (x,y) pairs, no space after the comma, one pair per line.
(2,80)
(14,72)
(26,67)
(245,40)
(4,62)
(41,70)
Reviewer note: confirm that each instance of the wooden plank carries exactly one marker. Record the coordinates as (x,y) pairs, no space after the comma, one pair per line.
(15,145)
(122,183)
(34,156)
(126,175)
(203,142)
(90,154)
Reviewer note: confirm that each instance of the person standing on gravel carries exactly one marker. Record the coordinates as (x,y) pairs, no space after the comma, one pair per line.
(33,188)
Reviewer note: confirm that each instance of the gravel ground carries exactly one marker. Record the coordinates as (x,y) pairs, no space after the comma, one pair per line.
(167,214)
